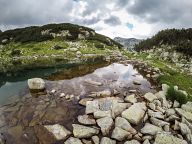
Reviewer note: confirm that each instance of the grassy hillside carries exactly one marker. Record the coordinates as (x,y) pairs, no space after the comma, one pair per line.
(179,39)
(50,44)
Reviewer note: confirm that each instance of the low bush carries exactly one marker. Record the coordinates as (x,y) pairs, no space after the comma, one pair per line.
(173,94)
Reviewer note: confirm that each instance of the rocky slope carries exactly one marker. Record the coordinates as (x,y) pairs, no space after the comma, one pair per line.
(128,43)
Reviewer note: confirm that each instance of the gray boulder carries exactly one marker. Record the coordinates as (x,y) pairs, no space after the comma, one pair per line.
(81,131)
(105,124)
(36,84)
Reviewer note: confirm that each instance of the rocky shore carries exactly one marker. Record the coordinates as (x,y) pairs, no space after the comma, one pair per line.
(108,112)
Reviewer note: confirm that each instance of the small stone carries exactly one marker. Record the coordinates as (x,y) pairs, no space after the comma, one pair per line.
(170,112)
(158,122)
(105,124)
(84,101)
(53,91)
(155,114)
(152,106)
(81,131)
(106,140)
(130,98)
(101,114)
(150,97)
(73,140)
(132,142)
(187,107)
(136,82)
(84,119)
(166,128)
(132,91)
(168,139)
(62,95)
(91,107)
(119,134)
(150,129)
(146,142)
(95,139)
(86,141)
(67,97)
(176,104)
(124,124)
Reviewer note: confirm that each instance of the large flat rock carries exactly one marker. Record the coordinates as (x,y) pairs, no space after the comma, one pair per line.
(135,113)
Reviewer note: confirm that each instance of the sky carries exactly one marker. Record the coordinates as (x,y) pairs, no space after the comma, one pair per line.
(114,18)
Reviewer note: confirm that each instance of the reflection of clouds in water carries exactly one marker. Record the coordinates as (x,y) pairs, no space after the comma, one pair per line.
(116,71)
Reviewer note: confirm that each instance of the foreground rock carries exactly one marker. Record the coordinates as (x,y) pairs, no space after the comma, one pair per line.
(105,124)
(150,129)
(59,131)
(84,119)
(106,140)
(135,113)
(81,131)
(73,140)
(120,134)
(132,142)
(36,84)
(168,139)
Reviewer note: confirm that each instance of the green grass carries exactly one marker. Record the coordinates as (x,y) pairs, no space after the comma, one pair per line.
(172,76)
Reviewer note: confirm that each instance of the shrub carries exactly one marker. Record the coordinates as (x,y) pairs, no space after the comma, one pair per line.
(173,94)
(15,52)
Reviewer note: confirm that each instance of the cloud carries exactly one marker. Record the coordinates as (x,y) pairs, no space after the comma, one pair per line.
(145,17)
(112,20)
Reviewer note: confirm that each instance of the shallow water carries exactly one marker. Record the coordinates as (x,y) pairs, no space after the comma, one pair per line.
(30,114)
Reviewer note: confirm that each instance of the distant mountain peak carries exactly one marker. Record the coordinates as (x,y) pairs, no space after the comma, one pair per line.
(128,43)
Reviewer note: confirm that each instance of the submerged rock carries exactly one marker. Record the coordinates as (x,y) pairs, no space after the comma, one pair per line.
(81,131)
(59,131)
(36,84)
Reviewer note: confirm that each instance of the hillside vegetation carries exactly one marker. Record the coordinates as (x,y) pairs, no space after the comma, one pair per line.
(179,39)
(49,44)
(66,31)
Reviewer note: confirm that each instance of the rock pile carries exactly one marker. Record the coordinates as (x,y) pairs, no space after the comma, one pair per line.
(111,120)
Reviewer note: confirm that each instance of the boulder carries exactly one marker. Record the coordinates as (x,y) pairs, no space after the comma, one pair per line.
(125,125)
(58,131)
(164,138)
(136,82)
(105,124)
(95,139)
(130,98)
(155,114)
(187,107)
(150,97)
(91,107)
(150,129)
(81,131)
(158,122)
(135,113)
(101,114)
(84,119)
(119,134)
(184,129)
(106,140)
(118,108)
(36,84)
(132,142)
(73,140)
(84,101)
(185,114)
